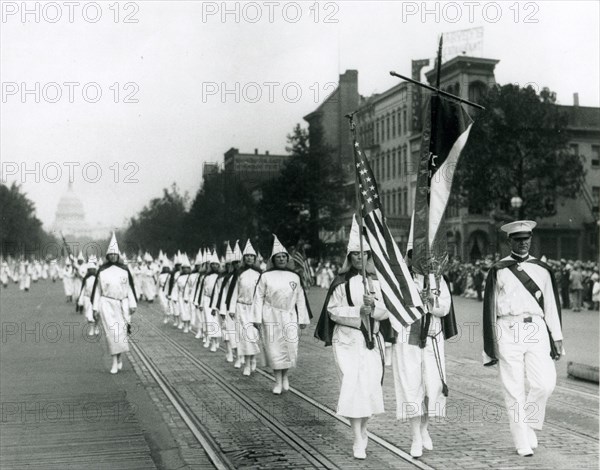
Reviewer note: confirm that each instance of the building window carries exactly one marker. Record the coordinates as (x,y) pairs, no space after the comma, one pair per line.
(595,156)
(574,149)
(394,124)
(394,201)
(388,165)
(377,132)
(405,160)
(404,120)
(393,163)
(387,128)
(399,123)
(400,208)
(405,202)
(596,197)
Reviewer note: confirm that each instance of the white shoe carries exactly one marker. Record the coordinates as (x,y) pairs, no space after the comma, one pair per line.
(165,321)
(359,452)
(198,335)
(427,443)
(286,384)
(277,389)
(229,357)
(532,438)
(238,363)
(115,369)
(525,452)
(186,329)
(213,348)
(416,449)
(180,326)
(247,373)
(97,330)
(91,331)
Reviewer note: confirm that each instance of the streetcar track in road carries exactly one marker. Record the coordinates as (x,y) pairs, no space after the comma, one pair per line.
(303,448)
(202,435)
(372,437)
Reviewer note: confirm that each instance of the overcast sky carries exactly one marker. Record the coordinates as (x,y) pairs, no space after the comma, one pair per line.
(167,64)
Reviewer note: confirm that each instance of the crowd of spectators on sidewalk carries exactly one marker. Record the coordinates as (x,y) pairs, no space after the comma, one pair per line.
(578,281)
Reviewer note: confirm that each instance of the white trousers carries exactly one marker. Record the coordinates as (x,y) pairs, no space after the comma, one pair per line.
(524,351)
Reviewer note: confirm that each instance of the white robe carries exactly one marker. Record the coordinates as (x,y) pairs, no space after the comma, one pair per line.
(162,295)
(113,299)
(279,307)
(241,303)
(67,279)
(24,276)
(228,321)
(415,370)
(147,282)
(183,304)
(213,322)
(85,298)
(360,370)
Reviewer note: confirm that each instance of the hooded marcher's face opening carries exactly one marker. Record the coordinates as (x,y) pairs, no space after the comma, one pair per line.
(249,260)
(357,260)
(280,260)
(112,257)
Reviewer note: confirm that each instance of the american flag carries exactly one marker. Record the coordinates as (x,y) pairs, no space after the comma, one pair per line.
(400,294)
(302,266)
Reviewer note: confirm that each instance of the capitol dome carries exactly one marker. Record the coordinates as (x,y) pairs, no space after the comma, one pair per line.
(70,216)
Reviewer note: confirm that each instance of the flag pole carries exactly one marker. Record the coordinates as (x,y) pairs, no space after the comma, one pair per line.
(350,118)
(437,90)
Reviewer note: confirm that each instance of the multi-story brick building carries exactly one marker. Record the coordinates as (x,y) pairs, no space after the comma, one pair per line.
(389,130)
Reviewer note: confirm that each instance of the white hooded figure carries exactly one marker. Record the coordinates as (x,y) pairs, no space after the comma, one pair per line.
(114,300)
(53,270)
(25,269)
(185,313)
(280,311)
(85,297)
(147,278)
(67,278)
(350,321)
(4,273)
(240,305)
(79,272)
(163,278)
(212,317)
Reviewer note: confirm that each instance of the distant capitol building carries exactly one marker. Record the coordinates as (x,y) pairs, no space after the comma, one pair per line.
(70,219)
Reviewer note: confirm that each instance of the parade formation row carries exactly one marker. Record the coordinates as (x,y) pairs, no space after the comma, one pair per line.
(257,311)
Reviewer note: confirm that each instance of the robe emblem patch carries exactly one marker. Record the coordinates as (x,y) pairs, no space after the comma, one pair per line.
(293,285)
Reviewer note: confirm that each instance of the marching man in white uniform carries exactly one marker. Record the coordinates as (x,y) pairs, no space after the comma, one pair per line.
(279,310)
(114,300)
(163,278)
(522,333)
(240,305)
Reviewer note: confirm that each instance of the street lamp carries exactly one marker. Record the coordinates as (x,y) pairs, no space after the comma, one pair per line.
(516,202)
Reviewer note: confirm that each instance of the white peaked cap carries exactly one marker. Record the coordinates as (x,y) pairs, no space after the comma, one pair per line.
(199,257)
(409,243)
(222,260)
(80,256)
(237,252)
(113,247)
(519,227)
(178,258)
(278,247)
(228,254)
(213,257)
(249,249)
(185,261)
(124,258)
(139,259)
(205,255)
(148,257)
(354,238)
(92,261)
(160,254)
